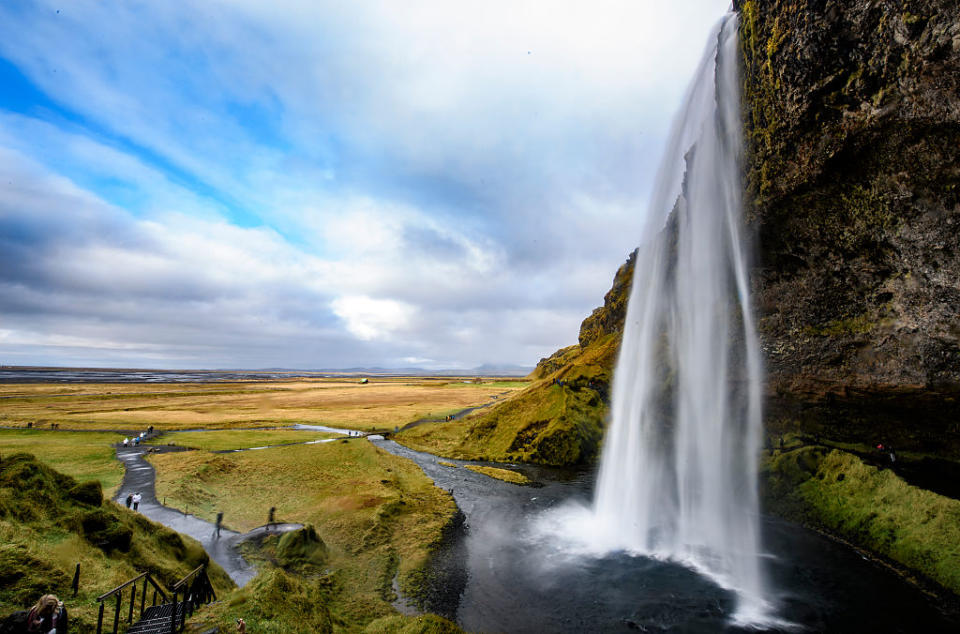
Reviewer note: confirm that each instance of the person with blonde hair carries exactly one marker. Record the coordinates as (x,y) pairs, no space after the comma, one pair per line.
(48,616)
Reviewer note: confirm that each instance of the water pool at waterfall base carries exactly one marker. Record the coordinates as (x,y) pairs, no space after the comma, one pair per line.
(520,562)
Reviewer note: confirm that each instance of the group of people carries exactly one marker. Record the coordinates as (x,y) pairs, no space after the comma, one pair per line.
(133,499)
(135,441)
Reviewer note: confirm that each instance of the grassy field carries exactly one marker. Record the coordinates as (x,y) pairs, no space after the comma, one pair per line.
(239,438)
(84,456)
(378,515)
(382,404)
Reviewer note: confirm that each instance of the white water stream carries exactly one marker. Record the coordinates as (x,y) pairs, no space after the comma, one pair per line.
(678,475)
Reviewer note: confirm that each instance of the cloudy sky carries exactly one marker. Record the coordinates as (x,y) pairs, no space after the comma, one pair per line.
(248,184)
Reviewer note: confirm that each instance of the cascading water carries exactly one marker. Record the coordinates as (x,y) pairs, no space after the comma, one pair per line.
(678,471)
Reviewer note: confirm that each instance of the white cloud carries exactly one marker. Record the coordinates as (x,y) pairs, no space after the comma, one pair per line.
(245,183)
(369,319)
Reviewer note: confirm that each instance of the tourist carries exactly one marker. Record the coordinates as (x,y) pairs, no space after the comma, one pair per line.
(216,530)
(47,616)
(129,499)
(241,626)
(136,500)
(273,510)
(126,442)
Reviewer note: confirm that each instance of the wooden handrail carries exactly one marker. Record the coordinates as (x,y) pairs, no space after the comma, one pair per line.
(131,581)
(187,577)
(118,592)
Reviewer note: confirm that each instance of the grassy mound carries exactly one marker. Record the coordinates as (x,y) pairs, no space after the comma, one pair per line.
(49,523)
(84,456)
(301,548)
(426,624)
(872,508)
(378,516)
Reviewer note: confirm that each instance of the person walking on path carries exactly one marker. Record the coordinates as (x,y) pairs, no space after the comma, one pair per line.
(136,500)
(273,510)
(219,524)
(129,499)
(48,616)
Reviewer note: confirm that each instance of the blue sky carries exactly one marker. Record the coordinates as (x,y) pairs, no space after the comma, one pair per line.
(322,185)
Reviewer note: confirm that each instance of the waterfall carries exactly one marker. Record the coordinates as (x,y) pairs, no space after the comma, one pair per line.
(678,475)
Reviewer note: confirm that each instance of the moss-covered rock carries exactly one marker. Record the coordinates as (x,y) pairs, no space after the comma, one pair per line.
(301,549)
(869,506)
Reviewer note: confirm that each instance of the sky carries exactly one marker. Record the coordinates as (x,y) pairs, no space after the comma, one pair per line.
(247,184)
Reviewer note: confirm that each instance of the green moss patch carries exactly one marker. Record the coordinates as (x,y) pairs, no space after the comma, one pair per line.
(873,508)
(500,474)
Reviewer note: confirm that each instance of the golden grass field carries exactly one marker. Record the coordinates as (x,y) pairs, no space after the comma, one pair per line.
(227,439)
(382,404)
(378,514)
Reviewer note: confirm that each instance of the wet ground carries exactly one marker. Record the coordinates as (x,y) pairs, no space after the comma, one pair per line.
(499,571)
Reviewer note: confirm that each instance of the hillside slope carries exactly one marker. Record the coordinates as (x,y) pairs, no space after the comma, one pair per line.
(560,417)
(49,523)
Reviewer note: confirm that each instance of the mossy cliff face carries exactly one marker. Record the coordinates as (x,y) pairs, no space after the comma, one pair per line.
(852,119)
(560,417)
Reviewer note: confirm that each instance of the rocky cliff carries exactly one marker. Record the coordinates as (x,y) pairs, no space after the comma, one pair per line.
(852,121)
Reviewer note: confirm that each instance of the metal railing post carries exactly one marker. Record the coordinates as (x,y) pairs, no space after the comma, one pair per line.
(133,599)
(143,596)
(173,615)
(116,612)
(100,619)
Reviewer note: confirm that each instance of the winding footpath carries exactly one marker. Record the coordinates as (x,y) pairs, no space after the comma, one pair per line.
(141,476)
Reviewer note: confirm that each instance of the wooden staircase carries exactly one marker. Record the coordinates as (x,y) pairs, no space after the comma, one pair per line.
(166,614)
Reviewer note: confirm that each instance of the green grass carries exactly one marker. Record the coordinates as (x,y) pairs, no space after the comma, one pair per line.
(378,516)
(239,438)
(500,474)
(82,455)
(870,507)
(49,523)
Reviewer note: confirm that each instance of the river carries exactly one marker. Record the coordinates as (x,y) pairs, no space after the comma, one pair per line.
(502,572)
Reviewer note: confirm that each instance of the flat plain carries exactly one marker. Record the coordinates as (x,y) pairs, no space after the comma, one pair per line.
(380,405)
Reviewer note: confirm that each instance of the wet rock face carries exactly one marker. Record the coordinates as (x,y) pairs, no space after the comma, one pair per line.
(852,120)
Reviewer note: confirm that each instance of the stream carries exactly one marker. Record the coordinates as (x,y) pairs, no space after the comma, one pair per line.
(502,571)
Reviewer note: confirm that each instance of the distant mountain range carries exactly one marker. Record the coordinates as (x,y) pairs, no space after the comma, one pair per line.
(487,369)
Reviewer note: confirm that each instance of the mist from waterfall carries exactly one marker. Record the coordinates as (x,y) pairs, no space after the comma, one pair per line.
(678,475)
